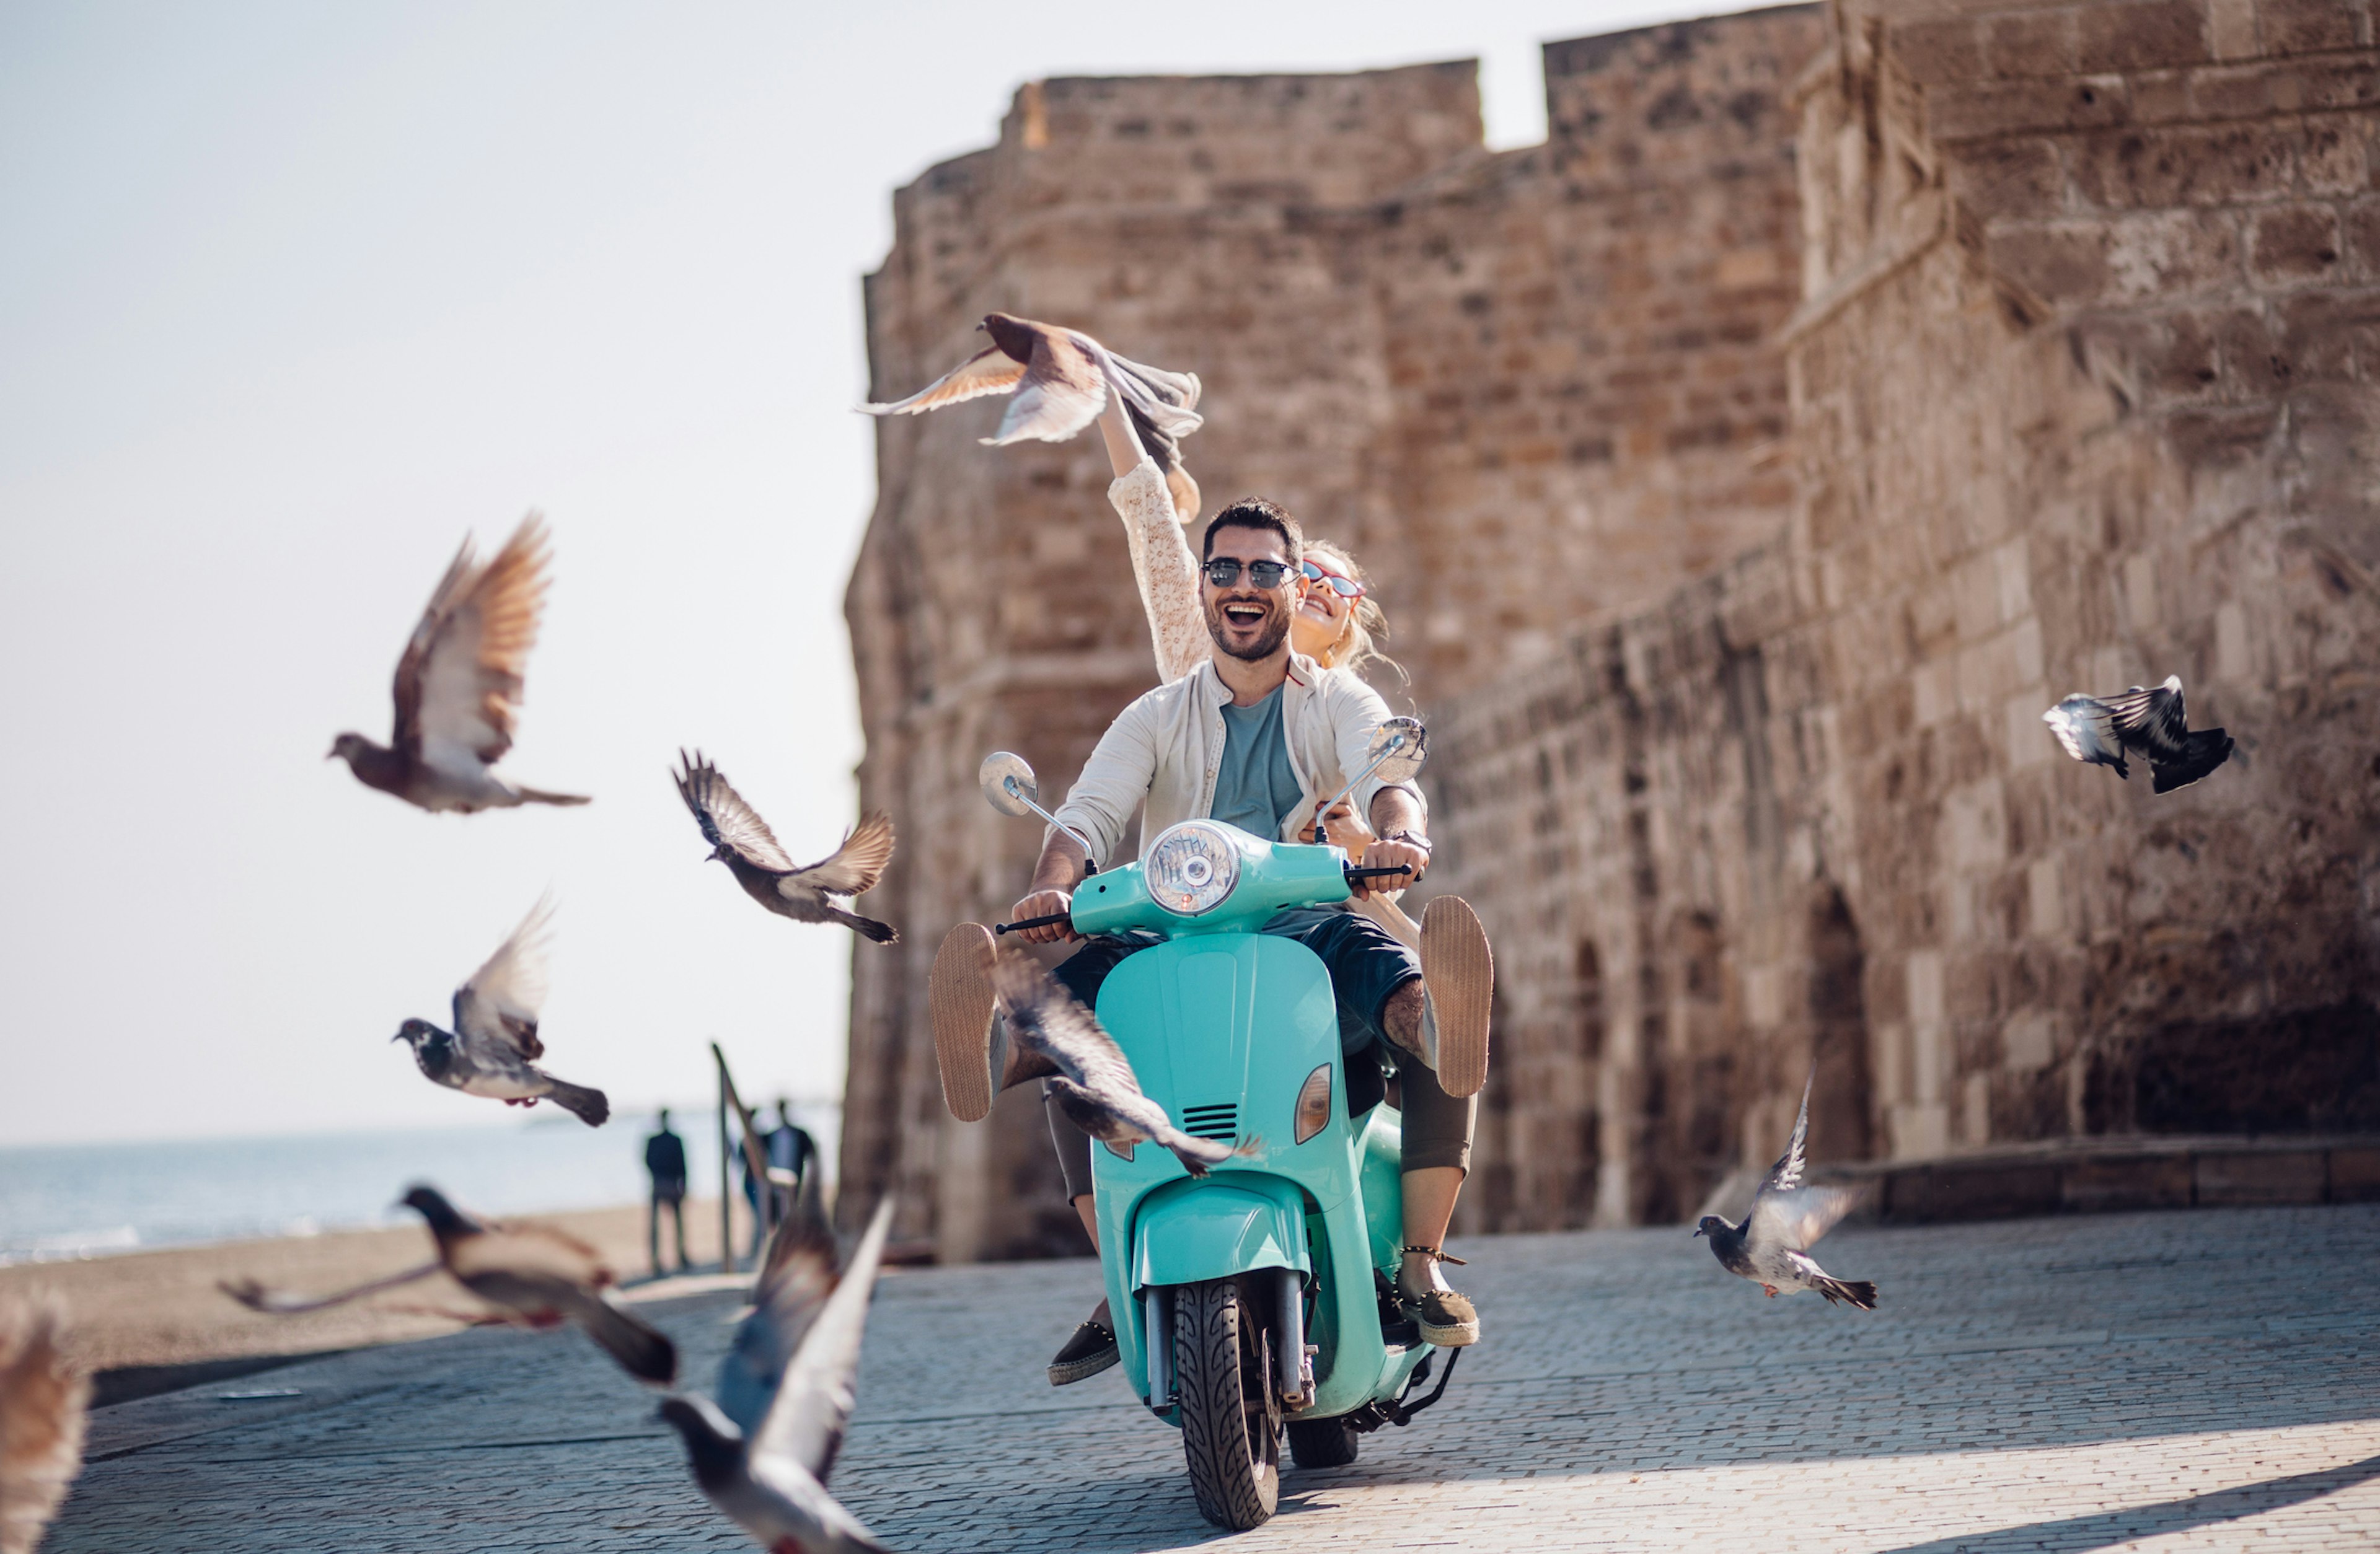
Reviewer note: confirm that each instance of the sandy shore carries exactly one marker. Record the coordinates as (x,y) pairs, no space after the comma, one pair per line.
(163,1309)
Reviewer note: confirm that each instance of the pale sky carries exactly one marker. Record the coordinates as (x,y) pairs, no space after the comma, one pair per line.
(292,296)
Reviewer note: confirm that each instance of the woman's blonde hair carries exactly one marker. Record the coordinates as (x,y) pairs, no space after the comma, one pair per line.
(1367,626)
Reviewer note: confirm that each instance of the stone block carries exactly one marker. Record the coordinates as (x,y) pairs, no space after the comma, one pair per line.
(2324,332)
(2114,1183)
(2171,254)
(2215,437)
(2031,43)
(2059,262)
(2217,164)
(2355,1173)
(2307,26)
(1983,1190)
(2142,35)
(2045,891)
(2232,28)
(2292,245)
(2027,1040)
(2334,155)
(2260,1176)
(2361,238)
(2014,179)
(1937,51)
(1989,108)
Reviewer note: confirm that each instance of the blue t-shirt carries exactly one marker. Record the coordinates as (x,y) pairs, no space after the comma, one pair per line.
(1256,788)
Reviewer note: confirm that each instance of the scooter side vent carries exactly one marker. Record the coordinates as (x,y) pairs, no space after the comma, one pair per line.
(1211,1122)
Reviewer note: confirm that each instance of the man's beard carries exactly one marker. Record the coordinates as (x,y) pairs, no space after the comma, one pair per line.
(1265,645)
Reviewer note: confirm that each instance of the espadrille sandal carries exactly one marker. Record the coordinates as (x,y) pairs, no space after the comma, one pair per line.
(1458,972)
(1089,1352)
(1445,1318)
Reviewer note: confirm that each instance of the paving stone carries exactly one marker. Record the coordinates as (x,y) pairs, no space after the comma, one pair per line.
(2197,1379)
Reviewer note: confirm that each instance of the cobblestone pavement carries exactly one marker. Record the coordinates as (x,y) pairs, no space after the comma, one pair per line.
(2204,1379)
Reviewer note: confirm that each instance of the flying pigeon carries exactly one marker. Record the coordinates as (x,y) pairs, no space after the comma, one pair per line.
(459,685)
(1772,1246)
(1062,377)
(1093,1084)
(534,1275)
(742,841)
(44,1402)
(488,1051)
(799,1269)
(769,1473)
(2099,730)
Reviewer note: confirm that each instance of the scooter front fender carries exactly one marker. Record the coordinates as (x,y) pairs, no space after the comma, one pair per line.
(1193,1230)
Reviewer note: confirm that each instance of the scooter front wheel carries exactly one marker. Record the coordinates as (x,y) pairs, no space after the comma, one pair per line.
(1231,1418)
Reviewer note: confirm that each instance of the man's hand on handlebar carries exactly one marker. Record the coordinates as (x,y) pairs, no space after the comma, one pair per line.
(1389,854)
(1044,904)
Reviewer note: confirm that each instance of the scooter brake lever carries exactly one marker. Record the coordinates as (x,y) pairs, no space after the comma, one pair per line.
(1052,920)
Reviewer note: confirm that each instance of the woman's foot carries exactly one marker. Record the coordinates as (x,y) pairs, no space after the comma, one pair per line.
(1091,1350)
(1445,1318)
(1459,973)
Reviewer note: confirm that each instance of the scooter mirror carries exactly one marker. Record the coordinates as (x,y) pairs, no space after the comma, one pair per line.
(1398,748)
(1007,782)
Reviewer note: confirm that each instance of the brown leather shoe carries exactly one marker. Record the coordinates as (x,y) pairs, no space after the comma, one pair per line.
(1089,1352)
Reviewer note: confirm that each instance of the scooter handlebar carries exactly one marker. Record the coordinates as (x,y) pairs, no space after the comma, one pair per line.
(1054,919)
(1356,874)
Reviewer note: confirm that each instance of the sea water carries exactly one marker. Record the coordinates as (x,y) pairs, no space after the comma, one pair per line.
(83,1200)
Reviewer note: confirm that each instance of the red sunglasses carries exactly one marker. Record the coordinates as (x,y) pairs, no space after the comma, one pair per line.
(1345,587)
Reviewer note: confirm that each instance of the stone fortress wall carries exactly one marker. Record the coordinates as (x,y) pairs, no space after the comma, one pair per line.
(1745,469)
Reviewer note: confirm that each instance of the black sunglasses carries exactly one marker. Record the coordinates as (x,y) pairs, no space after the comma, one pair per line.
(1223,571)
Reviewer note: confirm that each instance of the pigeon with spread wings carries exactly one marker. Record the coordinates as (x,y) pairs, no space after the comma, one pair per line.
(533,1276)
(742,841)
(1094,1086)
(459,685)
(44,1404)
(767,1466)
(2151,723)
(1062,379)
(488,1051)
(1772,1246)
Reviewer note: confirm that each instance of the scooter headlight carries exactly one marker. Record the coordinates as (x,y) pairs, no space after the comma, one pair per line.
(1313,1104)
(1193,869)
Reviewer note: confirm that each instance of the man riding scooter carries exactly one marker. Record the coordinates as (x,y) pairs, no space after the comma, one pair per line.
(1260,738)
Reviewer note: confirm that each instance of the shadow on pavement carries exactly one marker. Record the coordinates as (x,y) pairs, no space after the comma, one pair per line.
(2151,1520)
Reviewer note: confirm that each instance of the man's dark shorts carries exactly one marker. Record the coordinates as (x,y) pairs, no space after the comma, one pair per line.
(1365,961)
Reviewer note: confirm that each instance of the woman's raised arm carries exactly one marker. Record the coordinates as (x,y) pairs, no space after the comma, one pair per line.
(1161,561)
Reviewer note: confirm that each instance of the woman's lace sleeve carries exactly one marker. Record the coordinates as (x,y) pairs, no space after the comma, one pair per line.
(1162,564)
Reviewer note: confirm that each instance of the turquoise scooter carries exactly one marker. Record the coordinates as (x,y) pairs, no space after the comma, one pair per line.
(1262,1296)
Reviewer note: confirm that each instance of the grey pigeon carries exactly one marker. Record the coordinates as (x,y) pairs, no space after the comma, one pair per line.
(459,685)
(44,1404)
(1095,1084)
(533,1275)
(488,1051)
(1772,1246)
(2151,723)
(742,841)
(796,1276)
(1062,379)
(768,1474)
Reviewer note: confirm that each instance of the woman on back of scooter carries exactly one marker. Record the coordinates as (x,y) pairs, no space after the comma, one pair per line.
(1324,612)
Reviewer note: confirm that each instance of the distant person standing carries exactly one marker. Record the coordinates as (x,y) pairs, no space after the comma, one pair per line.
(665,1163)
(789,1149)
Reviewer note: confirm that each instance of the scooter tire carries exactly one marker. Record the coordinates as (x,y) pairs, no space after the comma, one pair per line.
(1231,1418)
(1322,1443)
